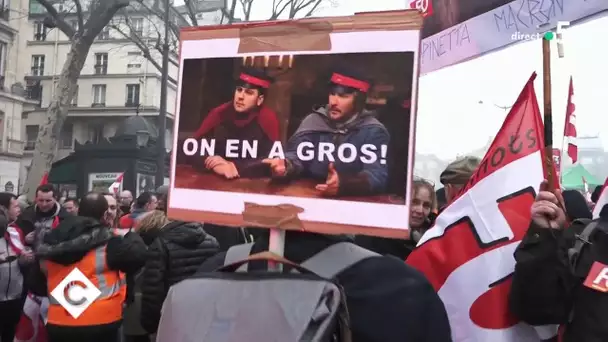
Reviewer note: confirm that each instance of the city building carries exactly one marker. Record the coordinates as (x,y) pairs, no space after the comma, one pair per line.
(13,100)
(116,82)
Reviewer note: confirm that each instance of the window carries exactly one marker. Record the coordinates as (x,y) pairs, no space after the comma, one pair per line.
(66,139)
(132,95)
(31,135)
(39,31)
(37,65)
(96,133)
(134,53)
(3,56)
(74,24)
(104,34)
(99,95)
(75,98)
(101,63)
(5,9)
(133,68)
(137,26)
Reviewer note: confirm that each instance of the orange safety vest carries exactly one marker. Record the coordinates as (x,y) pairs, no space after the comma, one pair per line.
(107,308)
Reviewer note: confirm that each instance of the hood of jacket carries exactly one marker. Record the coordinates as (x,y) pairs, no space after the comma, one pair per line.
(318,121)
(185,234)
(73,238)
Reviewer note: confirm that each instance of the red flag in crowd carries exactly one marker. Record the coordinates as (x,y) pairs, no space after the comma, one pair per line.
(116,185)
(468,254)
(45,179)
(601,201)
(570,127)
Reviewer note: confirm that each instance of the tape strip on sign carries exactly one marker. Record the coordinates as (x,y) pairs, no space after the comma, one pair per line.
(308,34)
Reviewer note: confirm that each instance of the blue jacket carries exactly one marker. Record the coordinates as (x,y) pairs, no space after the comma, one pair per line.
(356,178)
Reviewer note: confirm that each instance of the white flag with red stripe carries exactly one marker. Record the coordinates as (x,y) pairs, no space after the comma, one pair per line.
(570,126)
(601,201)
(468,254)
(116,185)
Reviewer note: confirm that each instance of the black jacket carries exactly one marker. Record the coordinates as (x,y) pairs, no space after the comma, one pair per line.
(398,248)
(76,236)
(545,290)
(30,215)
(174,255)
(388,301)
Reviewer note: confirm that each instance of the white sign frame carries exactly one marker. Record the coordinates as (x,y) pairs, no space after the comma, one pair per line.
(342,212)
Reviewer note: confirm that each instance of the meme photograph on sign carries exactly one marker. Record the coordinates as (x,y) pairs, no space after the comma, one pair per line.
(316,126)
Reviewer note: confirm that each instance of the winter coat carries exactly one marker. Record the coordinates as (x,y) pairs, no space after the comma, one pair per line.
(177,252)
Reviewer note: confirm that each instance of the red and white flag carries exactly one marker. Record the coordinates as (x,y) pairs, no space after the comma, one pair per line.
(601,201)
(569,141)
(32,324)
(586,189)
(468,254)
(116,185)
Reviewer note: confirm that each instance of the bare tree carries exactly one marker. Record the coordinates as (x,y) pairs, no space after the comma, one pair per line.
(92,17)
(151,44)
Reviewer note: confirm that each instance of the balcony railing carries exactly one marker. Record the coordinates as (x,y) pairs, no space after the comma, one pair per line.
(13,146)
(40,37)
(98,104)
(5,13)
(101,69)
(30,145)
(37,71)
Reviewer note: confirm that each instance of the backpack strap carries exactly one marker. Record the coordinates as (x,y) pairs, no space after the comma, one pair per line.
(336,258)
(238,253)
(582,239)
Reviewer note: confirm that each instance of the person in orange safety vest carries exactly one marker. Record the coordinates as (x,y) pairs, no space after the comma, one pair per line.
(83,243)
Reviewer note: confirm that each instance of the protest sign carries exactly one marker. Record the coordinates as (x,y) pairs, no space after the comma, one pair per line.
(305,124)
(458,30)
(468,254)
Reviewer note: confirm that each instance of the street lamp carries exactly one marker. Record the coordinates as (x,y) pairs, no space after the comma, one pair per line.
(162,117)
(142,138)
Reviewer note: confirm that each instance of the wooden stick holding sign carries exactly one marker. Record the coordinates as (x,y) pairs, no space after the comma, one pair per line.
(548,115)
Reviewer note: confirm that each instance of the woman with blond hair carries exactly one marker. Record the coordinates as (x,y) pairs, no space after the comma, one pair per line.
(175,251)
(422,204)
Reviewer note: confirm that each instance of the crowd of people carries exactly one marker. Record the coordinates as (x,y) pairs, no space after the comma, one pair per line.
(133,253)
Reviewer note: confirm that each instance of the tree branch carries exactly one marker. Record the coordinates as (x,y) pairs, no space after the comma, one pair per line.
(191,14)
(58,19)
(79,14)
(314,8)
(145,49)
(276,12)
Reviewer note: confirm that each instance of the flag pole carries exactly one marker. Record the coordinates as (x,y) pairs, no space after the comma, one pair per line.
(548,111)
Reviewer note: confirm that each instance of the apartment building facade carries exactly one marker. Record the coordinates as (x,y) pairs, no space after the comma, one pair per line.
(116,82)
(13,99)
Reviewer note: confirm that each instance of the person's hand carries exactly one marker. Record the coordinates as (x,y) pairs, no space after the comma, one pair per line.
(29,238)
(332,183)
(547,210)
(277,166)
(213,161)
(227,170)
(27,255)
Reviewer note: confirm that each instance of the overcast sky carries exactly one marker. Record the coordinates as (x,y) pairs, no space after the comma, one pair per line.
(451,120)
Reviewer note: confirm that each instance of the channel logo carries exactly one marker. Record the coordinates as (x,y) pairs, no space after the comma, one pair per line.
(75,293)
